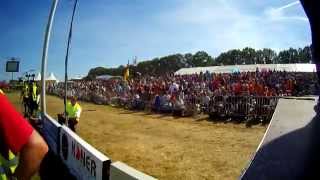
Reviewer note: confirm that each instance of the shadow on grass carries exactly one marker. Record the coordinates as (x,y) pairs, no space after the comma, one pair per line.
(128,112)
(220,120)
(171,116)
(147,113)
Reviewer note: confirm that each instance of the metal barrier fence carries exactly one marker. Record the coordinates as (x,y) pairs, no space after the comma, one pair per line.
(221,106)
(242,106)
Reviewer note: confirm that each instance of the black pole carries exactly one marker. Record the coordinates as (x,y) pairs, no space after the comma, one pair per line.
(67,57)
(312,10)
(311,164)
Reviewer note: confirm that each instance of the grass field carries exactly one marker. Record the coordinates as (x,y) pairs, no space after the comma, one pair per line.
(163,146)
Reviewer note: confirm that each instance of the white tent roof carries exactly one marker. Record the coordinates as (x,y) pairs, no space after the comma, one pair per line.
(51,77)
(107,77)
(104,77)
(250,68)
(38,77)
(77,77)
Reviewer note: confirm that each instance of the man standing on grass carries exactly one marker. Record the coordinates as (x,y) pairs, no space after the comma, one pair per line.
(73,113)
(25,97)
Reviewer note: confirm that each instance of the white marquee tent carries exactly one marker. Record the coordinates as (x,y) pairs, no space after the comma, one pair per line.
(76,77)
(38,77)
(106,77)
(249,68)
(51,77)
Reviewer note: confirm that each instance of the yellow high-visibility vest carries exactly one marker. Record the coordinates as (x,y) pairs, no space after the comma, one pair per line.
(1,92)
(34,92)
(26,91)
(8,167)
(73,111)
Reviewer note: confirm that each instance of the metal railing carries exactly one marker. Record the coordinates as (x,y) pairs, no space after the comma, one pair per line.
(243,106)
(216,106)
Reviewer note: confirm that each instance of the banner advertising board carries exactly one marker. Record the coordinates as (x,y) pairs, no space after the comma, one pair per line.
(83,160)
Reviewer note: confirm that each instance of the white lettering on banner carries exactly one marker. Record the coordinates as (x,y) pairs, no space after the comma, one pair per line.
(80,155)
(83,160)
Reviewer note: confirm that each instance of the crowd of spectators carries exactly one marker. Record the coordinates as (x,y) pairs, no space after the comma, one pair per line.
(168,93)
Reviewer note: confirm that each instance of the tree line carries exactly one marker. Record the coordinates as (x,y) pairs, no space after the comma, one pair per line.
(172,63)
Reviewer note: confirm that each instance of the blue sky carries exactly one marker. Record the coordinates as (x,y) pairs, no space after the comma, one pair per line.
(109,32)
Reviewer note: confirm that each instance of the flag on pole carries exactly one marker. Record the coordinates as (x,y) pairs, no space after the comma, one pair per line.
(126,72)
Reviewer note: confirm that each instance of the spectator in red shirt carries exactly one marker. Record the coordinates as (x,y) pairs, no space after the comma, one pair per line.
(17,135)
(259,89)
(251,88)
(237,88)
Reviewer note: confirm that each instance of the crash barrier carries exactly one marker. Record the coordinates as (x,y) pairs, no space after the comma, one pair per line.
(70,153)
(242,106)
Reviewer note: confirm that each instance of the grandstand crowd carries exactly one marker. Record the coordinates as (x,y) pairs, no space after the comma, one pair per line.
(188,94)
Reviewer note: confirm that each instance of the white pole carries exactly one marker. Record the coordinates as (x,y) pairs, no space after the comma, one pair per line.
(45,55)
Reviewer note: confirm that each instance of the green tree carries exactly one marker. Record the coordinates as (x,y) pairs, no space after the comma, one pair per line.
(248,56)
(189,59)
(172,63)
(201,58)
(304,55)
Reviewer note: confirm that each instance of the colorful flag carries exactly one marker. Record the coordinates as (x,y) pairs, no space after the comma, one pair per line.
(126,73)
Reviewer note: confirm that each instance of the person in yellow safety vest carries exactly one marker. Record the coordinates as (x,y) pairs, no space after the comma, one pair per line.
(34,91)
(38,101)
(33,101)
(25,98)
(25,90)
(18,136)
(73,113)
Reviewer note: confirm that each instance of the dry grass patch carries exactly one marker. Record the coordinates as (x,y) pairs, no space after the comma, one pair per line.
(163,146)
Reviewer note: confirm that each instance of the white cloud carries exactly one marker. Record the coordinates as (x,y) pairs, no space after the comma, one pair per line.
(184,26)
(288,5)
(200,12)
(217,24)
(279,13)
(221,25)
